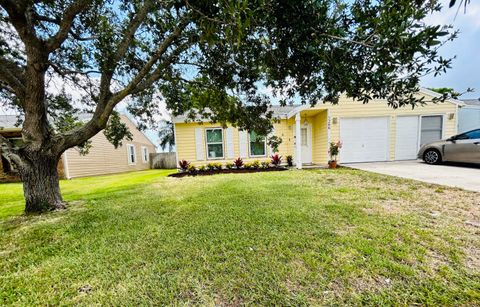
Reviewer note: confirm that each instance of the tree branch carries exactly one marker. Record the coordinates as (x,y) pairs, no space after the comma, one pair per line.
(22,25)
(13,75)
(71,12)
(108,101)
(148,66)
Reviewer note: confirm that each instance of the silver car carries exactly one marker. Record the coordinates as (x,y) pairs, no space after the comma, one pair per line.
(463,147)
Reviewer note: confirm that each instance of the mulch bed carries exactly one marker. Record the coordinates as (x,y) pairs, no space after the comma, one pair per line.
(228,171)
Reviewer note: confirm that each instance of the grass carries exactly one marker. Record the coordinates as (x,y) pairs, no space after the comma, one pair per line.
(285,238)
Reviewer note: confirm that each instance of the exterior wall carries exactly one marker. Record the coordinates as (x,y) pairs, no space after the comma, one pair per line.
(186,147)
(103,158)
(319,138)
(347,108)
(324,127)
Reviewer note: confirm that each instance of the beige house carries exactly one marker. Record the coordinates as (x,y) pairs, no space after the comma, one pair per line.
(369,132)
(103,157)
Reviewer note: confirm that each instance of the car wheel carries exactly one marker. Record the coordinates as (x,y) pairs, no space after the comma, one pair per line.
(432,156)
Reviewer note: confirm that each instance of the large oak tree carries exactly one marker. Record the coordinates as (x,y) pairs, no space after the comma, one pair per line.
(213,57)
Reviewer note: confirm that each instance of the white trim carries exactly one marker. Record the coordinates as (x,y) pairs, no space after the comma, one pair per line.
(437,95)
(250,147)
(230,147)
(206,143)
(134,154)
(329,131)
(66,170)
(298,140)
(143,149)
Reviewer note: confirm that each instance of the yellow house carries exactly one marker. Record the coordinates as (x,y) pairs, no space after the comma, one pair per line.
(369,132)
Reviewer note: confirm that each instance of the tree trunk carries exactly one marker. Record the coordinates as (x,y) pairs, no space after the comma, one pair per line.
(41,186)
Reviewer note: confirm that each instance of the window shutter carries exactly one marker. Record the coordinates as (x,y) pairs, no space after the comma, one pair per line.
(243,144)
(230,149)
(199,144)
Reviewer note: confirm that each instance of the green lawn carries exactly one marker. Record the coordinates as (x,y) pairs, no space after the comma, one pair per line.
(283,238)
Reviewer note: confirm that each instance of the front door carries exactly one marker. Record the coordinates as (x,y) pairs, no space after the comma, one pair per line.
(306,131)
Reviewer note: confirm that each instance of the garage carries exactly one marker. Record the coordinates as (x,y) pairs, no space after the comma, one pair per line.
(414,131)
(364,139)
(406,145)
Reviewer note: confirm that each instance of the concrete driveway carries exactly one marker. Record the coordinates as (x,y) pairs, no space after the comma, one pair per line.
(461,176)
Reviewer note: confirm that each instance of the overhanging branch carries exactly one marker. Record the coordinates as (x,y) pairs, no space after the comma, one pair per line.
(66,24)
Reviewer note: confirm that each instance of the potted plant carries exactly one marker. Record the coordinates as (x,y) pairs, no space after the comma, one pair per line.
(290,160)
(333,151)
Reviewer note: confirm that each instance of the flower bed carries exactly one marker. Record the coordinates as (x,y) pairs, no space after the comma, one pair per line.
(227,171)
(237,166)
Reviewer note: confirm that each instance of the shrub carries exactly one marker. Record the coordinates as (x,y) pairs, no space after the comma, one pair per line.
(229,165)
(191,169)
(276,160)
(248,165)
(218,166)
(202,168)
(265,164)
(273,142)
(238,163)
(256,164)
(289,160)
(211,166)
(183,164)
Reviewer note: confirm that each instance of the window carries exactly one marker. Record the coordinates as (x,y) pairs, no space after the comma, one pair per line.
(472,135)
(304,135)
(214,137)
(257,145)
(431,129)
(144,154)
(132,159)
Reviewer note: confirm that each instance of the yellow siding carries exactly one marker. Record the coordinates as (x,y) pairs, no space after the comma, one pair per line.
(320,117)
(347,108)
(319,137)
(103,158)
(186,147)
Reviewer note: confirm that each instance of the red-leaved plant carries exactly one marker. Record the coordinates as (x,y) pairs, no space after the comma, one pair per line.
(183,164)
(238,162)
(276,160)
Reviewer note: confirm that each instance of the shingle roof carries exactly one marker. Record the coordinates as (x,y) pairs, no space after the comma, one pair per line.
(472,102)
(278,111)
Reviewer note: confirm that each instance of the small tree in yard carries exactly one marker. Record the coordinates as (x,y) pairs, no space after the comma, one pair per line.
(203,58)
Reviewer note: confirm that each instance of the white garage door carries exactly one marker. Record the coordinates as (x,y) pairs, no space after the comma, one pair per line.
(364,139)
(406,145)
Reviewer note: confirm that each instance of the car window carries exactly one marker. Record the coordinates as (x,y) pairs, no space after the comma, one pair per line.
(475,134)
(462,136)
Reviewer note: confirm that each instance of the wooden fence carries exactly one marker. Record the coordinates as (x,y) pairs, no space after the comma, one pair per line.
(163,160)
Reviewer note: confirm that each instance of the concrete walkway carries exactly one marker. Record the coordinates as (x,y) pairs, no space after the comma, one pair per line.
(461,176)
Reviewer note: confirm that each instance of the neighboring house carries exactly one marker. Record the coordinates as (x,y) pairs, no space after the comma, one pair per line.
(369,132)
(469,115)
(103,157)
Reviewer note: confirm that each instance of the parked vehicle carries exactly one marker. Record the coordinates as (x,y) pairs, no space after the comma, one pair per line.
(464,147)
